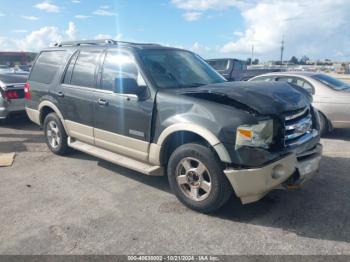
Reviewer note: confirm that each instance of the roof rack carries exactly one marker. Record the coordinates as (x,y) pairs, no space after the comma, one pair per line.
(100,42)
(86,42)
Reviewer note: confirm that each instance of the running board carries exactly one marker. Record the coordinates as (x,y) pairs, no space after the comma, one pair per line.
(115,158)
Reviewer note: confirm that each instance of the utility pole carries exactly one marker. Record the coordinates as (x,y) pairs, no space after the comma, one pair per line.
(282,49)
(251,60)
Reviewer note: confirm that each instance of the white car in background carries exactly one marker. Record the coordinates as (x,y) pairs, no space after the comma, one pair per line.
(330,96)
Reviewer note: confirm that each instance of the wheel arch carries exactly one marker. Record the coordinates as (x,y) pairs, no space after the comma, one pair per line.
(186,133)
(47,107)
(328,121)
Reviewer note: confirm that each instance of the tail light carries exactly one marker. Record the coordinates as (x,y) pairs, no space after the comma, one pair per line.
(27,91)
(11,95)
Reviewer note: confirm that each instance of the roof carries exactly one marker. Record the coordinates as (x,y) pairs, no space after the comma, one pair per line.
(108,43)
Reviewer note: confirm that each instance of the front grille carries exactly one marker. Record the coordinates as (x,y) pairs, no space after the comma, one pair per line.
(297,126)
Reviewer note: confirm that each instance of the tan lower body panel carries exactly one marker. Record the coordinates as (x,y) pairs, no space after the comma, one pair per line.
(116,158)
(82,132)
(34,115)
(124,145)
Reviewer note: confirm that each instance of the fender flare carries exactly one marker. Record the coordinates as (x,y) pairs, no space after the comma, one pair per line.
(196,129)
(55,109)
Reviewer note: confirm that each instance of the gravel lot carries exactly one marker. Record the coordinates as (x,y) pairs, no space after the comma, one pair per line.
(82,205)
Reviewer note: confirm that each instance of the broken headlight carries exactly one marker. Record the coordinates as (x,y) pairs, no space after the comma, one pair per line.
(259,135)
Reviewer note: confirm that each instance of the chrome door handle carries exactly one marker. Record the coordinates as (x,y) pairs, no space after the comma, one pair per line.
(103,102)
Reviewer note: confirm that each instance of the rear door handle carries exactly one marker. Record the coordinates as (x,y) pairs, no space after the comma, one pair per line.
(60,94)
(103,102)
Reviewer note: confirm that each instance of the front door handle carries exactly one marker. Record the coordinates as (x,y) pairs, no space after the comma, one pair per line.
(60,94)
(103,102)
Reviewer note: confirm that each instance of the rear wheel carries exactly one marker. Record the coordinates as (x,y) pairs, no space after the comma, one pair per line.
(56,136)
(196,178)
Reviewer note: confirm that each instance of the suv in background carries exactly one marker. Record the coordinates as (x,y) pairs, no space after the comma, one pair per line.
(235,69)
(161,110)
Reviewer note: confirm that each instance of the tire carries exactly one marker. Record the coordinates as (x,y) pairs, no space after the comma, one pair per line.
(324,126)
(205,191)
(55,135)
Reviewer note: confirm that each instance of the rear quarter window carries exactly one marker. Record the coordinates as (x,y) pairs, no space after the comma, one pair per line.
(46,66)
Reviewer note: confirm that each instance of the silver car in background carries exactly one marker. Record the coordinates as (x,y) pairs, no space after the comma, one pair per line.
(330,96)
(11,94)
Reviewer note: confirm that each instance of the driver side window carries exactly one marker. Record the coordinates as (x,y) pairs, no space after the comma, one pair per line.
(117,68)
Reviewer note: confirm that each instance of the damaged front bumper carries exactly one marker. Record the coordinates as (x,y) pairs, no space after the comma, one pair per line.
(291,171)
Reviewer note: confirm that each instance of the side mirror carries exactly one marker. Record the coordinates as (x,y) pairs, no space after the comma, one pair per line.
(126,86)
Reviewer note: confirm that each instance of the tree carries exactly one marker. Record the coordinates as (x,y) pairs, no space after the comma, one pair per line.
(304,59)
(249,60)
(294,60)
(256,61)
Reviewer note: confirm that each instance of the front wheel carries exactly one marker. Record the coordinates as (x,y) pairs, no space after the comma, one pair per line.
(196,178)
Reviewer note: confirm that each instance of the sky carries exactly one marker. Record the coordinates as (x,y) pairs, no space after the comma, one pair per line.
(213,28)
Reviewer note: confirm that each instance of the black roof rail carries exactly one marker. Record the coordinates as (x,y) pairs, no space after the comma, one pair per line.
(100,42)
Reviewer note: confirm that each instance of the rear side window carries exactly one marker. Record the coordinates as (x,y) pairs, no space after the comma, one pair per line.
(84,69)
(46,66)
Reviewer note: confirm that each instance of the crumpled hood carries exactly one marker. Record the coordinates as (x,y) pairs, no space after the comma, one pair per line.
(263,97)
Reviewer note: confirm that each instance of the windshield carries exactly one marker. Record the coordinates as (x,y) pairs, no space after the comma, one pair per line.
(178,69)
(332,82)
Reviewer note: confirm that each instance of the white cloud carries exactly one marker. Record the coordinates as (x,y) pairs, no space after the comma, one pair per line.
(315,30)
(20,31)
(38,39)
(118,37)
(48,7)
(194,9)
(199,48)
(318,30)
(71,32)
(192,16)
(2,14)
(203,5)
(82,16)
(32,18)
(76,1)
(104,10)
(238,33)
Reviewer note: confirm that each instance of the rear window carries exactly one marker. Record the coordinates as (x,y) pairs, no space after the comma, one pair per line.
(332,82)
(46,66)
